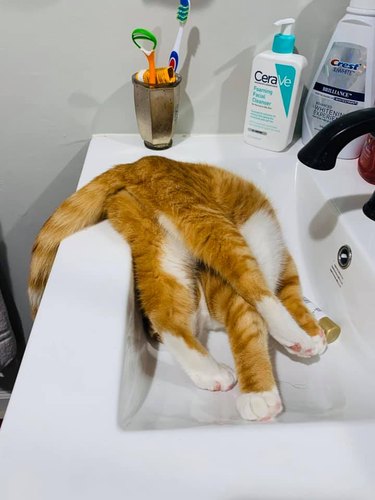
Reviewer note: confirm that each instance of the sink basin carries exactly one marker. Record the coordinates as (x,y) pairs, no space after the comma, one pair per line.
(330,218)
(312,390)
(97,411)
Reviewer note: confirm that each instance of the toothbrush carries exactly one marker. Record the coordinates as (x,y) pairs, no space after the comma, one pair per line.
(182,16)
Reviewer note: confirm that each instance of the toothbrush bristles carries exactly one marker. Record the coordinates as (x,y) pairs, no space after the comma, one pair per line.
(183,13)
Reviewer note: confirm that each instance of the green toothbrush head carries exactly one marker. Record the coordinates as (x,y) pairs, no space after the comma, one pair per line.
(183,11)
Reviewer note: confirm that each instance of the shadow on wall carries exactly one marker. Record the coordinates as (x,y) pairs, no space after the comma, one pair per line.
(26,4)
(186,111)
(20,239)
(115,114)
(236,84)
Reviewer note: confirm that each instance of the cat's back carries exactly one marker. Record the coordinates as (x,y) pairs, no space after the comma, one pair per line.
(167,181)
(162,178)
(198,176)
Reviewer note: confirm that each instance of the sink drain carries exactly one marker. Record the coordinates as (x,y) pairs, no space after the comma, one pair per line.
(344,256)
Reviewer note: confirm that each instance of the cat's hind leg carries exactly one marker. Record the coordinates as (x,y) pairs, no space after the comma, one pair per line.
(282,311)
(166,282)
(259,399)
(241,255)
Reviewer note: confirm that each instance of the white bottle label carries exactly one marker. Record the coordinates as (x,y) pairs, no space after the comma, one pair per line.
(270,98)
(315,310)
(340,86)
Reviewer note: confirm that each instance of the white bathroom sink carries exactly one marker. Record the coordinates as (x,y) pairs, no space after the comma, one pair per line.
(98,412)
(330,217)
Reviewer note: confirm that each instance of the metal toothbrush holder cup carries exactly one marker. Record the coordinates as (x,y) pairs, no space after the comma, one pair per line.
(156,109)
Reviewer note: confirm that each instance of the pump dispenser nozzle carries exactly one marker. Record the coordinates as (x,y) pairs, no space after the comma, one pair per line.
(287,25)
(283,42)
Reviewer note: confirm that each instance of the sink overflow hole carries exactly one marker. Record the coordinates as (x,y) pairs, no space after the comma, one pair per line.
(344,256)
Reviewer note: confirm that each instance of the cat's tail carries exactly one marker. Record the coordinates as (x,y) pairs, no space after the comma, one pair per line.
(84,208)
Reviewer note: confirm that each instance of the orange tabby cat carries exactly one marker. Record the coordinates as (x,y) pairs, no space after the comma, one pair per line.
(206,246)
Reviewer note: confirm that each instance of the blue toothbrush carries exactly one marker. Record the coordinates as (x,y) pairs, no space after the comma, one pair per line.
(182,16)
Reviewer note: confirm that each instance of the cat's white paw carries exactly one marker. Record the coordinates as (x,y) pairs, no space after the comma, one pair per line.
(309,346)
(320,342)
(203,369)
(297,342)
(262,406)
(287,332)
(220,378)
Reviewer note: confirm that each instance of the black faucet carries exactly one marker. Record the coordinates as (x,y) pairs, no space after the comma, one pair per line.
(322,150)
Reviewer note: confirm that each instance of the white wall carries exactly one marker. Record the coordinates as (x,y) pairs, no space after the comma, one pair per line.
(65,70)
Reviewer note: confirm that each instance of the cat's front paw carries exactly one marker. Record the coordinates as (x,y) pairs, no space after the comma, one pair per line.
(262,406)
(220,378)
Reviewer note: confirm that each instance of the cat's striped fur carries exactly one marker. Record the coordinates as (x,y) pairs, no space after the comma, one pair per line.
(201,239)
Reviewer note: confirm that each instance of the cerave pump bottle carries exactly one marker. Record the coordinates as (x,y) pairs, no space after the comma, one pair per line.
(344,81)
(275,92)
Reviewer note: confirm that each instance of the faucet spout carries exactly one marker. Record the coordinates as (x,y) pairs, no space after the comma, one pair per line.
(322,150)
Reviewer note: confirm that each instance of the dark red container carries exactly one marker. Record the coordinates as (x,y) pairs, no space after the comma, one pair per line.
(366,161)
